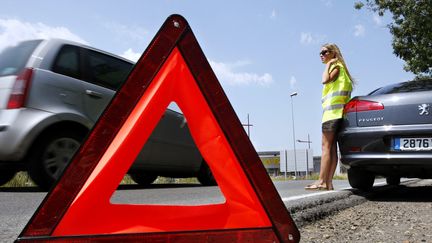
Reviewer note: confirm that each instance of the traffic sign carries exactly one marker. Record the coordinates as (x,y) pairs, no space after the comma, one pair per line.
(172,69)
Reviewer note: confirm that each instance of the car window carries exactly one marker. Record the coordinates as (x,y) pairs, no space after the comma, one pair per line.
(106,70)
(67,62)
(412,86)
(14,58)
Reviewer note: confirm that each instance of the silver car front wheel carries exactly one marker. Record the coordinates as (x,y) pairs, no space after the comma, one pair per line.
(58,154)
(51,154)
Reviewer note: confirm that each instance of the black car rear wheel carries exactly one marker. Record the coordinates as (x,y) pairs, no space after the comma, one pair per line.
(393,180)
(360,179)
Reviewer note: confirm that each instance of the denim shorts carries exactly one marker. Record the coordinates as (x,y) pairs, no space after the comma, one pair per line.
(332,125)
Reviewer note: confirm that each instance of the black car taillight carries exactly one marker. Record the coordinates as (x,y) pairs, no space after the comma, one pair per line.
(20,89)
(362,105)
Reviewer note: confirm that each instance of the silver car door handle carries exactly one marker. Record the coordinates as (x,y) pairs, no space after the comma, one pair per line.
(93,93)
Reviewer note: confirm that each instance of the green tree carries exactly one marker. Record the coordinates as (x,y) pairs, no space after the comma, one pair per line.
(411,29)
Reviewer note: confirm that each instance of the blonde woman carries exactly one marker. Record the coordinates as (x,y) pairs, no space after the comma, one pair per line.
(337,87)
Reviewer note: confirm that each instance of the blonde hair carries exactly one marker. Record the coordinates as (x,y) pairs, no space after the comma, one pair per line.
(333,48)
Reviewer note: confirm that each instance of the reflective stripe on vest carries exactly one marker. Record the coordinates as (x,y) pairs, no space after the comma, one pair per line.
(333,107)
(337,93)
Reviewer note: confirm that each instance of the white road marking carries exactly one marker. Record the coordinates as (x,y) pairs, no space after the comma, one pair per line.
(286,199)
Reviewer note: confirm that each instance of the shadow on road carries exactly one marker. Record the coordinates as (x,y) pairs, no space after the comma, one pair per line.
(410,191)
(21,189)
(404,193)
(157,186)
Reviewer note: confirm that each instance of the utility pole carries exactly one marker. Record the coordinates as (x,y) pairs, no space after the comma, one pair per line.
(248,125)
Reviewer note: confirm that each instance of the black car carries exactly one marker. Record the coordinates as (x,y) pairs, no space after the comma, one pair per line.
(388,133)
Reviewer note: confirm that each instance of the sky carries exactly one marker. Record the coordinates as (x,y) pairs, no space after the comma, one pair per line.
(261,51)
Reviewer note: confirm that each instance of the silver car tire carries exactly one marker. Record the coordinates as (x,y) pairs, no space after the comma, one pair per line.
(51,155)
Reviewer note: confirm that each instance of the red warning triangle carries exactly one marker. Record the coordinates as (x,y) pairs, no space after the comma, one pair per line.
(172,69)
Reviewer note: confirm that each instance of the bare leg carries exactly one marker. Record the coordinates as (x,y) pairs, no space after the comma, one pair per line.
(328,162)
(328,158)
(333,165)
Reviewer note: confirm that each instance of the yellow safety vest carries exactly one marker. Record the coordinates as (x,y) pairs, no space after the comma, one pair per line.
(336,94)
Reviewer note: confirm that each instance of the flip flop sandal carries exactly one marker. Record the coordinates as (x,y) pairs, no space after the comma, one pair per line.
(313,187)
(323,188)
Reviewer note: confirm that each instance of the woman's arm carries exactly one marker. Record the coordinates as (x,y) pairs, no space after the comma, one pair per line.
(328,76)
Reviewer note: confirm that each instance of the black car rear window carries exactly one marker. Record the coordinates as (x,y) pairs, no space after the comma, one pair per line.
(411,86)
(14,58)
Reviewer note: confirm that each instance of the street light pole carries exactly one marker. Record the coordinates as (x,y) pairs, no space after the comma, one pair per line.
(292,111)
(307,141)
(307,154)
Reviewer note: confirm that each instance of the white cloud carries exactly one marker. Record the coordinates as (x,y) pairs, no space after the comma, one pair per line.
(377,19)
(292,81)
(273,14)
(359,30)
(134,33)
(226,74)
(307,38)
(224,71)
(131,55)
(327,3)
(14,30)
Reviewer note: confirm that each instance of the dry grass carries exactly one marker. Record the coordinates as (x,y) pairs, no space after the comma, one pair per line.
(127,180)
(314,176)
(23,180)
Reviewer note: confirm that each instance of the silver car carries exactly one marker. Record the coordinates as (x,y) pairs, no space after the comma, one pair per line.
(53,91)
(388,133)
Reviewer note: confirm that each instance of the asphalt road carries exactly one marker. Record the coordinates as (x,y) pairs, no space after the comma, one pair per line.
(17,205)
(397,214)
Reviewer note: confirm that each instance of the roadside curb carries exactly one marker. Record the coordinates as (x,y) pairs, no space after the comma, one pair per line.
(310,209)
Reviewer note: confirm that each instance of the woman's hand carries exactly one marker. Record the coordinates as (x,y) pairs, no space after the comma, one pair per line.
(327,76)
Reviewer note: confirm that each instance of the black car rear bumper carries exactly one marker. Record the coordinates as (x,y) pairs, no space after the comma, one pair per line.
(418,165)
(363,159)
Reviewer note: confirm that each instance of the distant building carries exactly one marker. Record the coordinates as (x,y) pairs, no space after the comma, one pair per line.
(316,164)
(271,161)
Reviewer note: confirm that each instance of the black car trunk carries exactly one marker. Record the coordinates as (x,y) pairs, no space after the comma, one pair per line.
(398,109)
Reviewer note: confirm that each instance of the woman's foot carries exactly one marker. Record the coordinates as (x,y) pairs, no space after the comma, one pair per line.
(320,187)
(315,186)
(327,187)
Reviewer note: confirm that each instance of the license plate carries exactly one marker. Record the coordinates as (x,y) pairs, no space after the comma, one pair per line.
(413,144)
